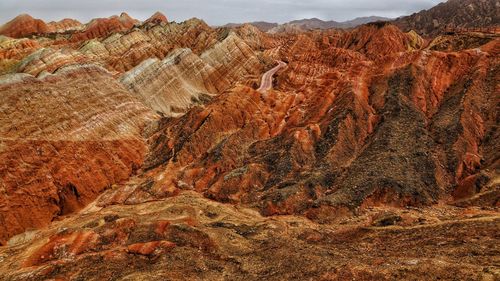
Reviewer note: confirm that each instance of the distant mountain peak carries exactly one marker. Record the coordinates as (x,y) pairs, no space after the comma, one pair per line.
(452,15)
(157,18)
(315,23)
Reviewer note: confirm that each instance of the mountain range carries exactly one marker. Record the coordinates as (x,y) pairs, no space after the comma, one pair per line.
(157,150)
(310,24)
(452,15)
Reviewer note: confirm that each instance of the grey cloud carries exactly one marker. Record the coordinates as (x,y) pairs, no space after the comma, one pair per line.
(215,12)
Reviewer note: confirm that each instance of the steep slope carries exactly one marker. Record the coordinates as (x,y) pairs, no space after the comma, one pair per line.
(47,60)
(24,25)
(378,39)
(453,14)
(64,25)
(122,52)
(12,51)
(172,85)
(183,79)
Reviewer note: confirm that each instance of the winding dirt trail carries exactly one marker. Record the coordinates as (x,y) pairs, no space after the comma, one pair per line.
(267,79)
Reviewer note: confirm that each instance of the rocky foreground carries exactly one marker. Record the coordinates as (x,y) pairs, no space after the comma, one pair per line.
(142,150)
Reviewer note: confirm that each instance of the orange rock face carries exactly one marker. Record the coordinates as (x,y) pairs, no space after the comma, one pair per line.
(157,18)
(24,25)
(65,143)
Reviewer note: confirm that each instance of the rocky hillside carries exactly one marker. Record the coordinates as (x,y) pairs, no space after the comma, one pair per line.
(452,15)
(144,150)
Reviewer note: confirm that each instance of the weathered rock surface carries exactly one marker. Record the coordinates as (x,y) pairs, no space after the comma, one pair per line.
(190,237)
(122,52)
(64,140)
(25,25)
(183,79)
(187,78)
(47,61)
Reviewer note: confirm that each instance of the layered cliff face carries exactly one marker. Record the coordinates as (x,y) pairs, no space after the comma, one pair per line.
(64,140)
(342,131)
(371,147)
(24,25)
(173,85)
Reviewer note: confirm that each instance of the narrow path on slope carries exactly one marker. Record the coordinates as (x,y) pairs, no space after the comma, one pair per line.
(267,79)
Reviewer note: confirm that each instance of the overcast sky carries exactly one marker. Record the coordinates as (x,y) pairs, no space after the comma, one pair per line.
(214,12)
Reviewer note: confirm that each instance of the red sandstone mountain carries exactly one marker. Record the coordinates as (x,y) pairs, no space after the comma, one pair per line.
(141,152)
(24,25)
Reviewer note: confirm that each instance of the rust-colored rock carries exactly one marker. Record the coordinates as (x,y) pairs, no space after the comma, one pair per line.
(24,25)
(65,142)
